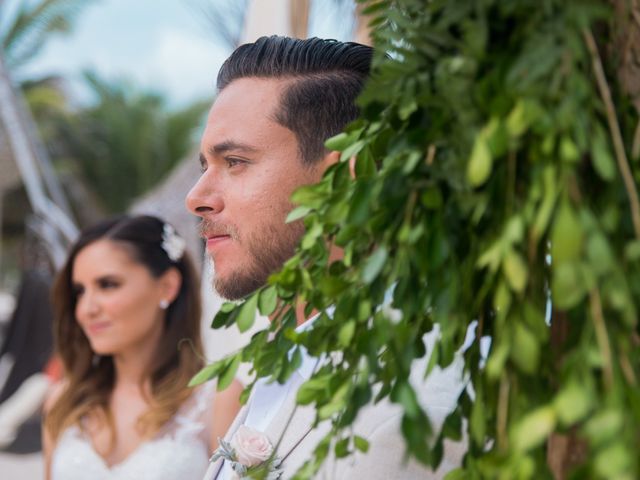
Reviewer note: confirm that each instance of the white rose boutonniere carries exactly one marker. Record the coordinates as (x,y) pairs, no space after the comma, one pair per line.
(250,454)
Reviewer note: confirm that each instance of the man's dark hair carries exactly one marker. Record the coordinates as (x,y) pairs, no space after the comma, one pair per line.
(327,76)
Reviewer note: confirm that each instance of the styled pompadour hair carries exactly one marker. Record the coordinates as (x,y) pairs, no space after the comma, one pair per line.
(326,78)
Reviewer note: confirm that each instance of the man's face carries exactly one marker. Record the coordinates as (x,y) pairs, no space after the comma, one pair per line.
(251,165)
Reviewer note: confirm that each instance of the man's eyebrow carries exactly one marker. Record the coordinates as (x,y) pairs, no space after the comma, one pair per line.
(230,145)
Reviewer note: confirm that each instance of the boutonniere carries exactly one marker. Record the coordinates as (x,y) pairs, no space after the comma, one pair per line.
(250,454)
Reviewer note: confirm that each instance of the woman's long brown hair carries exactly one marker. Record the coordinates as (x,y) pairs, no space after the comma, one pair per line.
(89,383)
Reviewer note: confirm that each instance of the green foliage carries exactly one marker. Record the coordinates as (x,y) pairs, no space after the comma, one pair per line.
(24,35)
(127,141)
(488,189)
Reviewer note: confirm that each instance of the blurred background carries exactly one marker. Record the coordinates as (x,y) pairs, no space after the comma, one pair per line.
(102,103)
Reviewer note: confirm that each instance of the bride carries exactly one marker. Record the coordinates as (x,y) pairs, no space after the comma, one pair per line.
(127,331)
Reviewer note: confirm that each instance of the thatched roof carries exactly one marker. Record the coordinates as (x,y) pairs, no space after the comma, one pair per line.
(167,201)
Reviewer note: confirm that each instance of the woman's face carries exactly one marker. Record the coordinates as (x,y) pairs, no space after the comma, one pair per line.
(117,300)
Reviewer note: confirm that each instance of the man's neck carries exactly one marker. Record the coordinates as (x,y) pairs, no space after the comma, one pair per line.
(300,316)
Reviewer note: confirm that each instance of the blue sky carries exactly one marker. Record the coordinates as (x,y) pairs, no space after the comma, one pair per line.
(162,45)
(157,44)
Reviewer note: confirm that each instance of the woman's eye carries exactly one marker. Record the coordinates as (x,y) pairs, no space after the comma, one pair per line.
(77,290)
(107,283)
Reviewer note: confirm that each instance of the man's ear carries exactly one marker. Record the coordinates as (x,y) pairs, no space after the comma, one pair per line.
(352,166)
(170,283)
(329,159)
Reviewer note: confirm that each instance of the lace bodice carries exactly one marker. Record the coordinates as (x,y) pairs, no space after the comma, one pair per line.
(179,451)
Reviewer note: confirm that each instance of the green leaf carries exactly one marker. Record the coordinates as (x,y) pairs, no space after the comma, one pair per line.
(526,349)
(604,426)
(548,202)
(525,112)
(491,257)
(225,316)
(229,373)
(573,403)
(432,198)
(310,390)
(297,213)
(568,150)
(566,236)
(602,159)
(632,251)
(268,300)
(346,332)
(342,448)
(480,162)
(352,150)
(458,474)
(477,422)
(247,315)
(336,404)
(361,443)
(534,429)
(599,254)
(615,460)
(404,394)
(497,360)
(502,299)
(209,372)
(515,270)
(374,264)
(342,140)
(567,287)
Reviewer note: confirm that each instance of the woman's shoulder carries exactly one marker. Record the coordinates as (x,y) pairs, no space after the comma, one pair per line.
(55,391)
(203,397)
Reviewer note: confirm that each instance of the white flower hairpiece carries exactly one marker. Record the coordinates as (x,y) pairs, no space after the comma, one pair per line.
(172,243)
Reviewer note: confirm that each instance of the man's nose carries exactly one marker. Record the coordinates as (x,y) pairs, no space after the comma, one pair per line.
(205,197)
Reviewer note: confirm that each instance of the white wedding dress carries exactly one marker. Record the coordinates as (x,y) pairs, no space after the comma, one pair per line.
(179,451)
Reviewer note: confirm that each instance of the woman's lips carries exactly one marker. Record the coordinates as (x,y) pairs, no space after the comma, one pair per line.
(98,327)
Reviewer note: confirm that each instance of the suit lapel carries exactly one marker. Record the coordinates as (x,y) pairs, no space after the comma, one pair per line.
(216,467)
(291,424)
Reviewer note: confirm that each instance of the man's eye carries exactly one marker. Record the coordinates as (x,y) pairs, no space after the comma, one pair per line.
(233,161)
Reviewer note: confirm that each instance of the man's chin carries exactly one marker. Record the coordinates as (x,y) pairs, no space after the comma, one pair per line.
(236,287)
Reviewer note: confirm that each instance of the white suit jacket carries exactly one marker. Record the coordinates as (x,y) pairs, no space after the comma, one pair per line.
(379,424)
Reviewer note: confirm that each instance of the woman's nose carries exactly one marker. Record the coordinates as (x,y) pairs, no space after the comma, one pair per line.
(87,305)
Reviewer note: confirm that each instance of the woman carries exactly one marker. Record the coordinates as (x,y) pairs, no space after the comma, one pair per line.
(127,332)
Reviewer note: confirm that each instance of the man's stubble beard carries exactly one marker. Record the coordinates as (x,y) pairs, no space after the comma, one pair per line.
(267,254)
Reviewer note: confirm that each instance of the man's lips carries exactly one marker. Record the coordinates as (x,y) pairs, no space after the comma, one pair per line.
(213,240)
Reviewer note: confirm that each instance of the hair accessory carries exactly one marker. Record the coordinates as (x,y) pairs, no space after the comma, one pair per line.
(164,304)
(172,243)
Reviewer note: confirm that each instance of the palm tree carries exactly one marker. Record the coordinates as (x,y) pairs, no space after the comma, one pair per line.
(127,141)
(24,34)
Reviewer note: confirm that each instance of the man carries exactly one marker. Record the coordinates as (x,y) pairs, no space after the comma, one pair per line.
(279,100)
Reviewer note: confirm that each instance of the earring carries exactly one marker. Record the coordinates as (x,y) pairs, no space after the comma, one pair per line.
(164,304)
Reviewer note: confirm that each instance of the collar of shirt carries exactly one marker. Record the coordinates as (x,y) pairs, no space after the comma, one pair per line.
(267,398)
